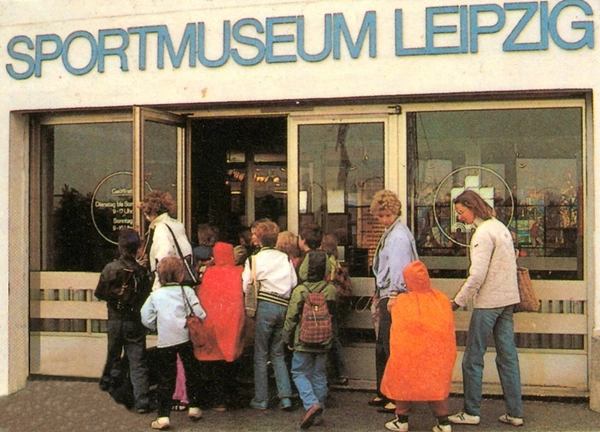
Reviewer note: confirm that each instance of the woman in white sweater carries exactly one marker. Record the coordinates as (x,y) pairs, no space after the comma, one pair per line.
(492,285)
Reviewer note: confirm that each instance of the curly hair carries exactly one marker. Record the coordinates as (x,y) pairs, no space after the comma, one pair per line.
(266,231)
(384,201)
(170,269)
(287,242)
(158,202)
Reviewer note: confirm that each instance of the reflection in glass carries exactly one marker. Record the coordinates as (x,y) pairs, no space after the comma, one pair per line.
(160,157)
(527,163)
(341,167)
(76,159)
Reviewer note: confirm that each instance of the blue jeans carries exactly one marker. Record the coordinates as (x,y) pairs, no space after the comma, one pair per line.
(268,344)
(309,371)
(485,323)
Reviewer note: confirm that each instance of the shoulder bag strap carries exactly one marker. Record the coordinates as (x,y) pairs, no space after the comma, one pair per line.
(187,304)
(185,262)
(175,240)
(253,268)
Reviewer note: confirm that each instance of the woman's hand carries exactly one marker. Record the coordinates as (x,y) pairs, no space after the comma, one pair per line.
(455,306)
(391,303)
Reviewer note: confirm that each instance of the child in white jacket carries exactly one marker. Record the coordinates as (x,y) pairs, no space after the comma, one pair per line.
(166,310)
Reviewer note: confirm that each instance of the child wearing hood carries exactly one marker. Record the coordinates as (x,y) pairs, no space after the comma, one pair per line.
(222,298)
(422,350)
(309,362)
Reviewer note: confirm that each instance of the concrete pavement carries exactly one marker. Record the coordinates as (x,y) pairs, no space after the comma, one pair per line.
(49,405)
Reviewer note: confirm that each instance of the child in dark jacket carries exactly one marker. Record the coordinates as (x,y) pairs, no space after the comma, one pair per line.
(124,285)
(309,363)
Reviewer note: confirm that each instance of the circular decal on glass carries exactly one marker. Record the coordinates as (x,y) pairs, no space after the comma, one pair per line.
(112,205)
(494,190)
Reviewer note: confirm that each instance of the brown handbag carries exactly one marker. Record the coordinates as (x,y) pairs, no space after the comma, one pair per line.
(194,324)
(529,300)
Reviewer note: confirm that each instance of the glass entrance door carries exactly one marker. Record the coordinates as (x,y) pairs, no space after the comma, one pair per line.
(161,158)
(88,173)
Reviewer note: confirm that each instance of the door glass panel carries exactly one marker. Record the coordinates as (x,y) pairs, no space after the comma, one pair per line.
(341,167)
(527,163)
(160,157)
(85,195)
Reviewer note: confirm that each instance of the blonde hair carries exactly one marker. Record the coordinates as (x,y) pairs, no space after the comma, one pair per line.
(287,242)
(385,201)
(266,231)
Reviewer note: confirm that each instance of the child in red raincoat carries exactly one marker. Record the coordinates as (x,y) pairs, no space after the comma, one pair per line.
(222,297)
(422,350)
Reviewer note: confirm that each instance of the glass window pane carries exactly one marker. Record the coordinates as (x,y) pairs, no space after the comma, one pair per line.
(527,163)
(160,157)
(341,167)
(86,194)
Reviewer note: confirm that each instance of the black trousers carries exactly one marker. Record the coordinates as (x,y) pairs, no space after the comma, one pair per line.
(382,346)
(166,381)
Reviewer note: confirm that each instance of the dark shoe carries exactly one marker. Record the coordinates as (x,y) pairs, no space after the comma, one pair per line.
(318,421)
(179,406)
(378,402)
(144,410)
(310,416)
(341,382)
(104,386)
(388,408)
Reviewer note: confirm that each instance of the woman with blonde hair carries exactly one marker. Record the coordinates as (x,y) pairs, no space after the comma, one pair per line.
(396,249)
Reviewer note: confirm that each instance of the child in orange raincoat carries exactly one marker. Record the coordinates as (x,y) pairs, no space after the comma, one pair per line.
(422,350)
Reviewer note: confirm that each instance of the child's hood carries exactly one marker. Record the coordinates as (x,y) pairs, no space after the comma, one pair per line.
(416,277)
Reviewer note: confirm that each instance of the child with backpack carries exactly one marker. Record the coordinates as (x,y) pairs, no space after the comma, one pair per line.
(308,332)
(124,285)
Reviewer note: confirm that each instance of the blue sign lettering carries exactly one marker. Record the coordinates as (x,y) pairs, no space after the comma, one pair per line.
(283,39)
(468,28)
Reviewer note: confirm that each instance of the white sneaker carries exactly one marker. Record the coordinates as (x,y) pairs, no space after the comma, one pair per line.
(194,413)
(464,418)
(397,425)
(161,423)
(515,421)
(442,428)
